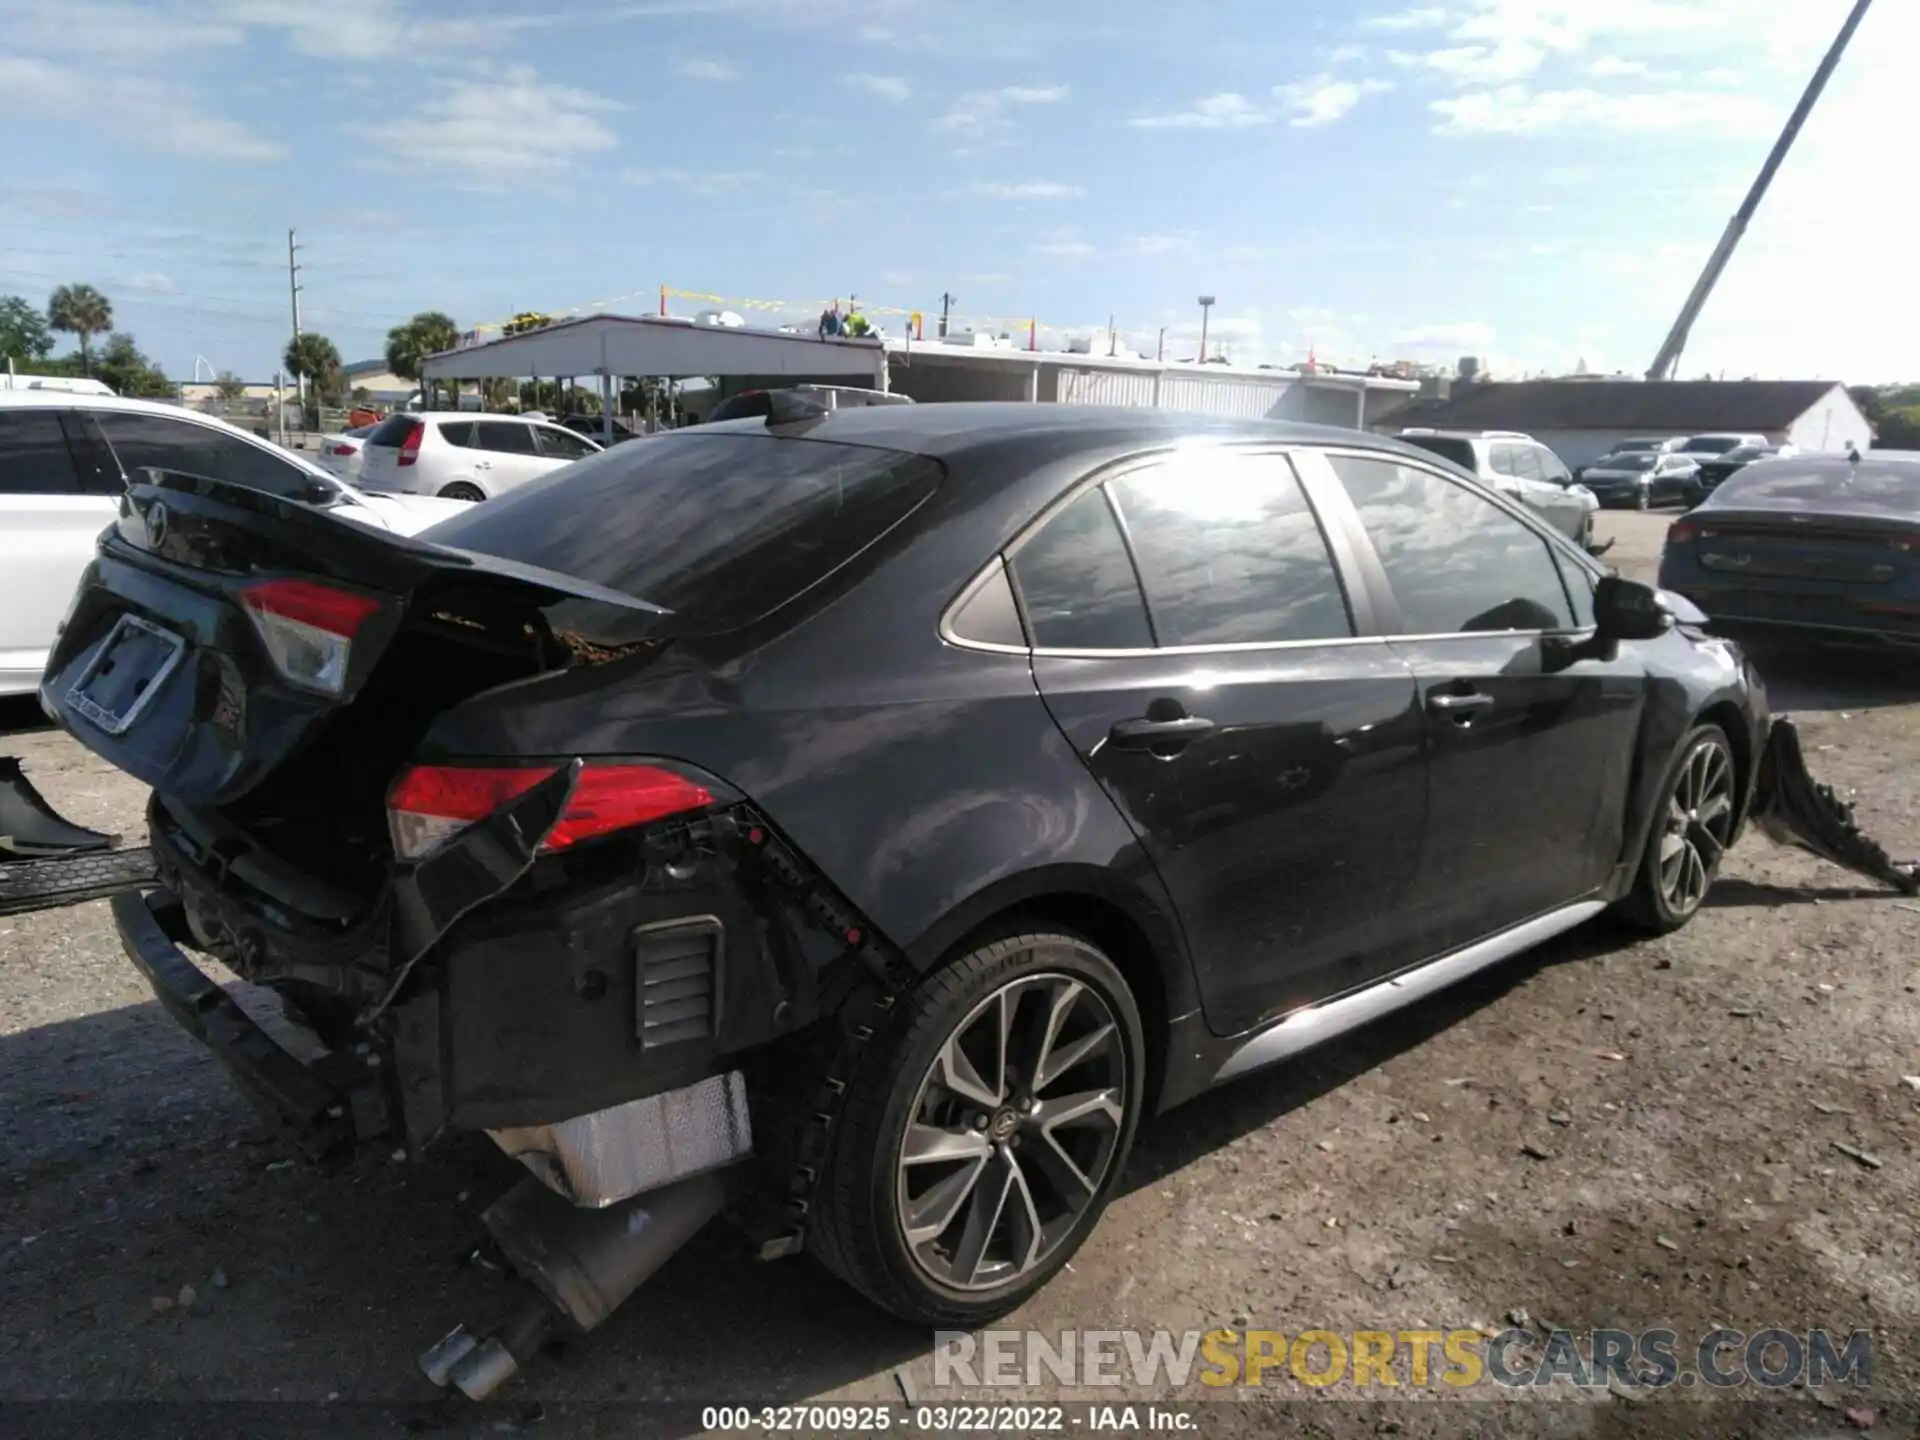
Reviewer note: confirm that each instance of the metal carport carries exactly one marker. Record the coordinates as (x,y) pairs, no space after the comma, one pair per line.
(664,347)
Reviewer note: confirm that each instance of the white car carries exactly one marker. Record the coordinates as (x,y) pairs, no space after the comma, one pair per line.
(340,454)
(463,456)
(64,459)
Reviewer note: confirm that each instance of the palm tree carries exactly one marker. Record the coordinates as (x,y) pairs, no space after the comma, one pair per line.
(425,334)
(314,359)
(230,385)
(80,310)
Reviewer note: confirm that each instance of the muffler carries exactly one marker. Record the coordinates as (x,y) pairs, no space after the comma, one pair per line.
(586,1263)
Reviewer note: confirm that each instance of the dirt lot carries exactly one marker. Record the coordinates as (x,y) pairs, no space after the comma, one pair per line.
(1681,1104)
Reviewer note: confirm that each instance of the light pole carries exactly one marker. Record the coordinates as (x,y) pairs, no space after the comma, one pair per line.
(1206,304)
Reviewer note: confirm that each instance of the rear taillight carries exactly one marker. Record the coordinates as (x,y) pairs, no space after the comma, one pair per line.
(430,804)
(410,447)
(308,629)
(340,449)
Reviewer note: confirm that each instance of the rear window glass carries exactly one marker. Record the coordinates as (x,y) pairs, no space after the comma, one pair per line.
(1709,445)
(719,529)
(1890,487)
(1446,447)
(393,431)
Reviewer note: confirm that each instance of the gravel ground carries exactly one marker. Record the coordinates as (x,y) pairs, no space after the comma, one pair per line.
(1602,1133)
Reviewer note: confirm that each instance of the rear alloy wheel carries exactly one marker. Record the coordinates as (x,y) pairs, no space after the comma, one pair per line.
(1692,829)
(981,1141)
(461,490)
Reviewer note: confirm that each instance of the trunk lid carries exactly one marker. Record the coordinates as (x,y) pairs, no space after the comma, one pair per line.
(1847,550)
(221,632)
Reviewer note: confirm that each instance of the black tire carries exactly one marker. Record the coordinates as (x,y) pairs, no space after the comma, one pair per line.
(461,490)
(859,1218)
(1653,905)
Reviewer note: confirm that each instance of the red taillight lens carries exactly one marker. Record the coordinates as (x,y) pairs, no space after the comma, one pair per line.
(1682,533)
(308,629)
(430,804)
(340,449)
(410,447)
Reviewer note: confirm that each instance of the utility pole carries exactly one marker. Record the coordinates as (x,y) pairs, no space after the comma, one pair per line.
(293,292)
(1667,362)
(1160,348)
(947,302)
(1206,307)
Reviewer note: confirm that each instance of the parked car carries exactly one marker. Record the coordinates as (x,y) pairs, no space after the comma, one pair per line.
(340,454)
(1701,446)
(1519,466)
(1643,481)
(1716,468)
(1815,547)
(465,457)
(595,429)
(920,796)
(1646,445)
(64,461)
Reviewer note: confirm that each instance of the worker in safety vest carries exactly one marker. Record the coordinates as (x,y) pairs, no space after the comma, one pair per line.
(856,326)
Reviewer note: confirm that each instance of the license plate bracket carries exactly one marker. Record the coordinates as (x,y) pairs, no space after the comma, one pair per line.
(125,674)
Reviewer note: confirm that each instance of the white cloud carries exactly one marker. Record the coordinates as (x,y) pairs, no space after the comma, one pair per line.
(1229,110)
(102,31)
(1065,245)
(1464,337)
(373,30)
(982,114)
(1160,244)
(151,280)
(495,127)
(1346,54)
(145,112)
(1027,190)
(887,87)
(1324,99)
(1319,100)
(1482,64)
(1613,67)
(1518,110)
(1421,17)
(718,72)
(715,182)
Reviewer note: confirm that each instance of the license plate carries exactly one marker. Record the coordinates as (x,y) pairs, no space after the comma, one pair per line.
(116,688)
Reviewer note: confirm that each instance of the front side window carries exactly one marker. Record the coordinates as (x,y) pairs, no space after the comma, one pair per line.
(558,444)
(141,440)
(1457,563)
(33,454)
(504,437)
(1230,552)
(1077,583)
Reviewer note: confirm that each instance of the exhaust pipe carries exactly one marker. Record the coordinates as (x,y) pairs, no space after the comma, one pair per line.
(585,1262)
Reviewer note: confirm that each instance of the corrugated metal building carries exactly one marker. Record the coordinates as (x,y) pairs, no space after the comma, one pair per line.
(933,373)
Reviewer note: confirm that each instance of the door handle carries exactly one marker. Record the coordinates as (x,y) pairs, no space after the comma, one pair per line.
(1460,706)
(483,464)
(1158,734)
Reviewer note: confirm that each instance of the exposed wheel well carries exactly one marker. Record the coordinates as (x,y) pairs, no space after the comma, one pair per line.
(1116,933)
(1728,717)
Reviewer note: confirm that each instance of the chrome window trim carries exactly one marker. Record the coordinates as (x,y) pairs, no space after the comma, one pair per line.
(972,588)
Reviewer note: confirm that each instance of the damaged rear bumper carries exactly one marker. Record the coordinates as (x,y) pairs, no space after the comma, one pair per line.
(1791,808)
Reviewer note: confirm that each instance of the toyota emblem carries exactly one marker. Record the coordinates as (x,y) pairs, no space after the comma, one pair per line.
(156,524)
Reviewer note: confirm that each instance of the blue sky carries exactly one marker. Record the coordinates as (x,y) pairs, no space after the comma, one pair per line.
(1533,181)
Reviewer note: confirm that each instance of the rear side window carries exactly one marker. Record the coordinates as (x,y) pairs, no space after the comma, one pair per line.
(393,430)
(1500,460)
(1457,562)
(1526,463)
(504,437)
(1447,447)
(1230,553)
(1078,584)
(719,529)
(33,454)
(141,440)
(457,433)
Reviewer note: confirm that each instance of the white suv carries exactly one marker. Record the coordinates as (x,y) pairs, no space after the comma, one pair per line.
(66,456)
(464,456)
(1520,467)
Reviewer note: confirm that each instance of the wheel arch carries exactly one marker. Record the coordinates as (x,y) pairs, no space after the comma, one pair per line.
(1734,725)
(1141,939)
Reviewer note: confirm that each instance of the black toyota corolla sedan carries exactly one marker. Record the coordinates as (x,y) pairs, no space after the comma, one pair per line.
(886,810)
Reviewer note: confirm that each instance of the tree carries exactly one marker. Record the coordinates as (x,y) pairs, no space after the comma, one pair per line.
(24,336)
(314,359)
(121,365)
(80,310)
(425,334)
(230,385)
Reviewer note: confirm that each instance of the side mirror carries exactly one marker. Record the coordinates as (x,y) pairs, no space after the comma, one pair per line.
(1627,610)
